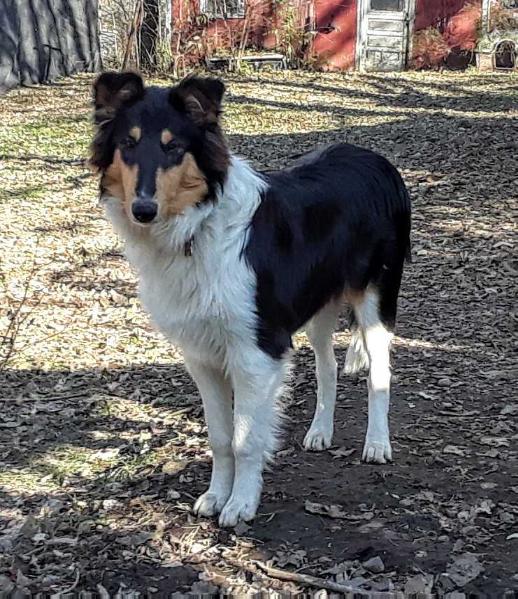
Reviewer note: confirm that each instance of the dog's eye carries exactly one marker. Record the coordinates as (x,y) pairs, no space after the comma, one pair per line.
(173,149)
(128,143)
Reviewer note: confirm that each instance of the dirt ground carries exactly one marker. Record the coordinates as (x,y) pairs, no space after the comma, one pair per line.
(102,442)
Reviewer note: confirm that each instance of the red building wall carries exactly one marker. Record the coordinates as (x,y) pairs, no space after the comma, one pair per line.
(435,13)
(333,22)
(335,40)
(260,15)
(216,35)
(457,20)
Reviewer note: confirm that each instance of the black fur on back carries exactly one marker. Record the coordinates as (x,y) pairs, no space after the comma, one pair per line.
(338,220)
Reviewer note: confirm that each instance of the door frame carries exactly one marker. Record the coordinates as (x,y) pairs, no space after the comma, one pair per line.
(362,7)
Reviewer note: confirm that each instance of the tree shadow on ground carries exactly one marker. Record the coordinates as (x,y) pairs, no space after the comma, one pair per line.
(398,93)
(395,511)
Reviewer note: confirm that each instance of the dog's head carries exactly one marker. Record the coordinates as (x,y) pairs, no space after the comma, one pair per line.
(159,150)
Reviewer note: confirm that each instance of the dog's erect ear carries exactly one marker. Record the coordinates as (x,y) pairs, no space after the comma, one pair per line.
(112,90)
(200,98)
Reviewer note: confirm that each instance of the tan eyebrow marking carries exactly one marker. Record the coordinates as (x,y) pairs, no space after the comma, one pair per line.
(166,137)
(135,133)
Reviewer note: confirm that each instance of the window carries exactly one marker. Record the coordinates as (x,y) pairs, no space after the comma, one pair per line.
(223,9)
(394,5)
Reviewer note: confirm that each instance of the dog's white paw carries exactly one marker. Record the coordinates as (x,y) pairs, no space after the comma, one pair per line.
(209,504)
(318,437)
(237,509)
(377,451)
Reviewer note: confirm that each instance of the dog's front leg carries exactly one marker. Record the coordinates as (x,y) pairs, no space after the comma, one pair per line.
(216,393)
(257,380)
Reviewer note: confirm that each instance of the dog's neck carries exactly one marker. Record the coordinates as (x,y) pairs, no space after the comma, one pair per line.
(230,212)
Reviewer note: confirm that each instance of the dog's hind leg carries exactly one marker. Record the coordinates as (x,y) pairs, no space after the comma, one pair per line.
(320,334)
(377,337)
(257,381)
(216,393)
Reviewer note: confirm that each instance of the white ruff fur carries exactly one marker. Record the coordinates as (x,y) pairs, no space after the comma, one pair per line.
(205,304)
(199,302)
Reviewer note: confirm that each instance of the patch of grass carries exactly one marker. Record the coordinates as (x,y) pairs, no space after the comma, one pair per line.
(27,192)
(52,470)
(19,482)
(56,468)
(43,138)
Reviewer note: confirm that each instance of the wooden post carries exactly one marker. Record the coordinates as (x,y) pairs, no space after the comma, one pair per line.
(486,13)
(155,36)
(149,35)
(132,37)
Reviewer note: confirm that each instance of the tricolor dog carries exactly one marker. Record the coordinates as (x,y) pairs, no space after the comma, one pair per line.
(232,262)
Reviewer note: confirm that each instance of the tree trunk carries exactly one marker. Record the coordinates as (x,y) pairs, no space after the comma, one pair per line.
(150,35)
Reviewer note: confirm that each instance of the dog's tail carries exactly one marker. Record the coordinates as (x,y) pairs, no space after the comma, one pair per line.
(407,210)
(356,358)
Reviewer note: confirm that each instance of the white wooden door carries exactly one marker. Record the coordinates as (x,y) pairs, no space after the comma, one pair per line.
(383,34)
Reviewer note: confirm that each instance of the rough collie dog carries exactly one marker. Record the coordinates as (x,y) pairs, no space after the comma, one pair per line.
(232,262)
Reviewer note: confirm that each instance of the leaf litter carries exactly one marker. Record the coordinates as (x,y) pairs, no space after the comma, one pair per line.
(103,446)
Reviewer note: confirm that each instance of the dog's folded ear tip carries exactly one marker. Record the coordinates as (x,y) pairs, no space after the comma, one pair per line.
(112,89)
(117,76)
(211,87)
(199,97)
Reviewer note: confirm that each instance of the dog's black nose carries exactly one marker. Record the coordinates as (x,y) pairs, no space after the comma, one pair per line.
(144,210)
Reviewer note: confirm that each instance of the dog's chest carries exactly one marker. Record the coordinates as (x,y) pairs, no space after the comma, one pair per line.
(201,302)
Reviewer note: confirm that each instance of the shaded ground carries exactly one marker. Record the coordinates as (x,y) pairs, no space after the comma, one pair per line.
(102,443)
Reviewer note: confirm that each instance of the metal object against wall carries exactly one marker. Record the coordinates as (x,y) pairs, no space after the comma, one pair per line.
(497,48)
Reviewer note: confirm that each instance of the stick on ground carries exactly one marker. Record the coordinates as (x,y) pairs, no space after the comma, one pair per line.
(311,581)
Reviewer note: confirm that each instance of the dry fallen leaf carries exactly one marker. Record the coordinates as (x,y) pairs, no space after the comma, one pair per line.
(465,569)
(332,511)
(342,452)
(173,467)
(453,449)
